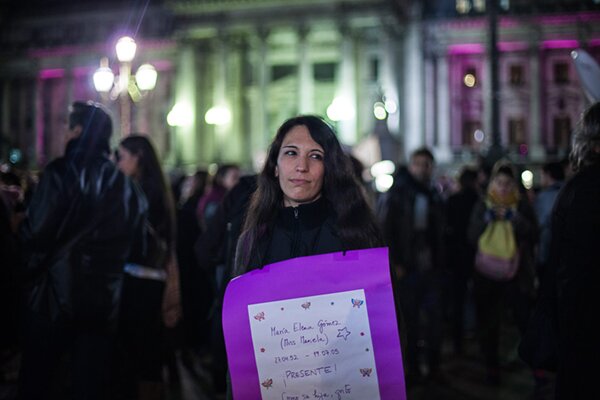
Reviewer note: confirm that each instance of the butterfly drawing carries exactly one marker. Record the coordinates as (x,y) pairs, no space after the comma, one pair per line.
(268,383)
(357,303)
(260,316)
(306,305)
(365,371)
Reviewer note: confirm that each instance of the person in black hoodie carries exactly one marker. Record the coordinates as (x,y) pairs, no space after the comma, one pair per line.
(79,228)
(413,226)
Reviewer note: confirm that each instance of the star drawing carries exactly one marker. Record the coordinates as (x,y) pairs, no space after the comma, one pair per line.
(343,333)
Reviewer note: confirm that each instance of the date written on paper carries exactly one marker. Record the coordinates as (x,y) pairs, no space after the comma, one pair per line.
(314,354)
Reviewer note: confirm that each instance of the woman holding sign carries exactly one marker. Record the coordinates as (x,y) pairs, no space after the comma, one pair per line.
(308,200)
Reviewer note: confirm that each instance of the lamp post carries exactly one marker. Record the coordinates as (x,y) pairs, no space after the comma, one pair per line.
(123,86)
(496,151)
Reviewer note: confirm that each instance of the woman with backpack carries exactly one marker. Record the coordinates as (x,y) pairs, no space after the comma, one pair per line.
(503,230)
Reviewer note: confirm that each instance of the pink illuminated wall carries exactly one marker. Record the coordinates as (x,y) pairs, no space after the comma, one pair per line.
(560,101)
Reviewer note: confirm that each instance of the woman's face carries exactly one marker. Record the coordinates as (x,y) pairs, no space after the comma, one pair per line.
(503,185)
(128,162)
(300,167)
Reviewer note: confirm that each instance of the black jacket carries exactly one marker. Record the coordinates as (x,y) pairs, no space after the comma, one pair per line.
(78,233)
(217,245)
(398,221)
(460,252)
(308,229)
(573,281)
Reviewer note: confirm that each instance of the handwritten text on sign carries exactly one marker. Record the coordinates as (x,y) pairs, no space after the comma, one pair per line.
(316,347)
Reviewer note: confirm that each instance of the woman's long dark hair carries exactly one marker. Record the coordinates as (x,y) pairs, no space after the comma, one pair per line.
(355,224)
(150,176)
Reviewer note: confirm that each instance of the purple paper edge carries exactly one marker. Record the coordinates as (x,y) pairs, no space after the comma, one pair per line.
(238,338)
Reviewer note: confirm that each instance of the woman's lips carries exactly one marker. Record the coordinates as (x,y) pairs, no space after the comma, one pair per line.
(298,181)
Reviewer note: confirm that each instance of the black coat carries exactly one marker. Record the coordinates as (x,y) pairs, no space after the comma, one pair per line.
(217,245)
(306,230)
(460,251)
(78,233)
(575,271)
(398,217)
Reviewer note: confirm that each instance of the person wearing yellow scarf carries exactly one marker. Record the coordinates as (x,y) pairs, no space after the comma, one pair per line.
(503,194)
(502,214)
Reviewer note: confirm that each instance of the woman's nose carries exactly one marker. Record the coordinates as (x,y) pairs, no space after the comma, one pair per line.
(302,164)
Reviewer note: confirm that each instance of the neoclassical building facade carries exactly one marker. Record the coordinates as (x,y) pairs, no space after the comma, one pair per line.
(232,71)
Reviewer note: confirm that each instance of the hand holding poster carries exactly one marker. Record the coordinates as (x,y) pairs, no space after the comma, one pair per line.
(318,327)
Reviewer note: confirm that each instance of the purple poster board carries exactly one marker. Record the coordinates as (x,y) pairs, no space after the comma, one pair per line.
(355,282)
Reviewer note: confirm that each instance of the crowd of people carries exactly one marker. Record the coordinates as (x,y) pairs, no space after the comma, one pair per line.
(113,271)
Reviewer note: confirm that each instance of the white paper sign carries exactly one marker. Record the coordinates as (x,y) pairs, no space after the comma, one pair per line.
(317,347)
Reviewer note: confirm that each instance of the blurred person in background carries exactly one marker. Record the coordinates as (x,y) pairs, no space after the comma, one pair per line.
(461,253)
(570,284)
(226,177)
(151,298)
(215,251)
(413,227)
(11,214)
(196,287)
(79,229)
(503,202)
(553,176)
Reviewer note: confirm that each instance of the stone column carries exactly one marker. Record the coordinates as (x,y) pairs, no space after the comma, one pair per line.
(245,104)
(442,117)
(413,104)
(183,138)
(264,78)
(305,76)
(346,87)
(536,149)
(220,93)
(429,89)
(390,73)
(487,101)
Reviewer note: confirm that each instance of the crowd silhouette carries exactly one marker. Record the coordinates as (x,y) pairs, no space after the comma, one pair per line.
(113,270)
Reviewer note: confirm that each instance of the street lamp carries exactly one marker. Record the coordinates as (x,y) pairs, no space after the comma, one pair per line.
(107,84)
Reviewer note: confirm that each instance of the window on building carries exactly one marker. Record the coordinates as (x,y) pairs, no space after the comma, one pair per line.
(469,132)
(516,73)
(282,71)
(374,69)
(516,131)
(561,72)
(562,131)
(324,72)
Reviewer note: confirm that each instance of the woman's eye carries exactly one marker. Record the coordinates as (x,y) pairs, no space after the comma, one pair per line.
(316,156)
(290,153)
